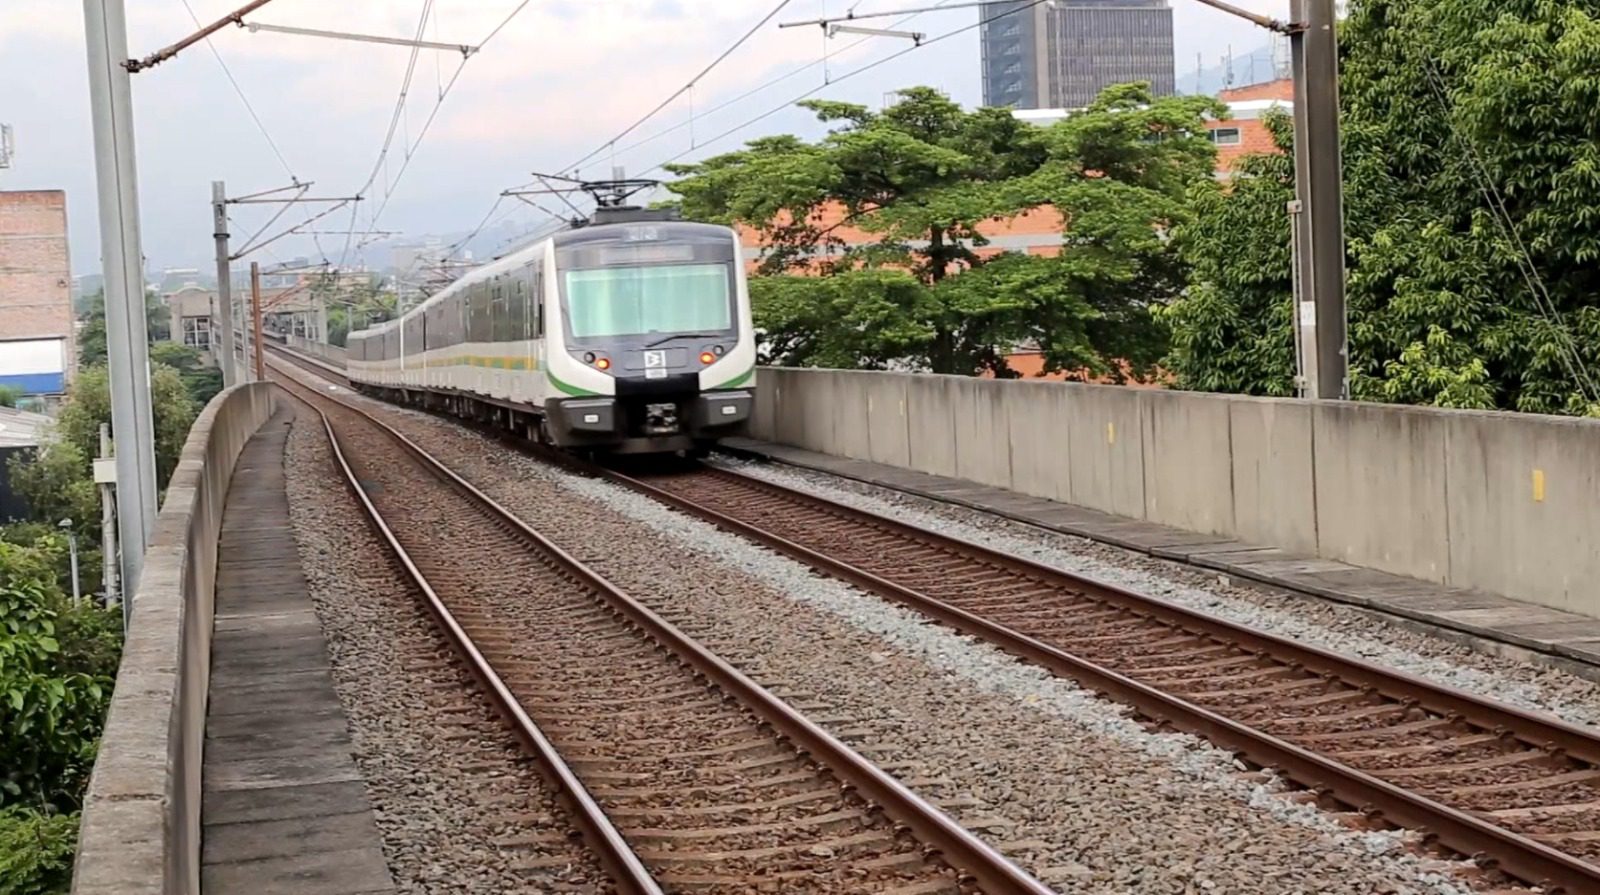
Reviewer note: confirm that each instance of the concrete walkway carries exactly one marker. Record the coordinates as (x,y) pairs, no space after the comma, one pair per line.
(284,810)
(1568,640)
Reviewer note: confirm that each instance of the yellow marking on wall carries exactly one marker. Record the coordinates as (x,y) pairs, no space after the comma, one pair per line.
(1538,486)
(1111,433)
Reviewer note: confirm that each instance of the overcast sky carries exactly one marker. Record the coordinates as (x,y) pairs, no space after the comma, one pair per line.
(557,83)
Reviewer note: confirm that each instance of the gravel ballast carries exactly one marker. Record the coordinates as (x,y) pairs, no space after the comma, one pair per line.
(459,807)
(1064,782)
(1332,626)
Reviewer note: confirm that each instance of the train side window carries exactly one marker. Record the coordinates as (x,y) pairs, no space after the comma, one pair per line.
(517,326)
(478,319)
(538,300)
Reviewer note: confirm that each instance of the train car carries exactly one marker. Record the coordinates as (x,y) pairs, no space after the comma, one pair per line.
(629,335)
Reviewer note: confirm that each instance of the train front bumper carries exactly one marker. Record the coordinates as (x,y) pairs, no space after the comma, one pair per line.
(648,423)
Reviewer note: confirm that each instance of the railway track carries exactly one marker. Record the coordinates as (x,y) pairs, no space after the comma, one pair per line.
(1517,791)
(314,365)
(682,774)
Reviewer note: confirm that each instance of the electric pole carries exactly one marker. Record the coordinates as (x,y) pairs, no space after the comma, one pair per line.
(127,347)
(1320,314)
(219,212)
(255,319)
(108,522)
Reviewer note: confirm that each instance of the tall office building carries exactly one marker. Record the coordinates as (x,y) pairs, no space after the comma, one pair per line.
(1062,54)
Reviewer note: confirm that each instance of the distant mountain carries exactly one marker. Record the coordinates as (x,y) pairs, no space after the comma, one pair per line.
(1249,67)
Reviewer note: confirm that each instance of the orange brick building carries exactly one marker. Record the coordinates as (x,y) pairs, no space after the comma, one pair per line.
(37,333)
(1245,132)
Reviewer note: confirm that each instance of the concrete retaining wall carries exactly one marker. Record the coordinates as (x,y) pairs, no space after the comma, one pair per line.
(1504,502)
(333,354)
(141,817)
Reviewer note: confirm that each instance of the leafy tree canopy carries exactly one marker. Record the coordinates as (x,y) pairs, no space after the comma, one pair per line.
(57,664)
(89,404)
(352,308)
(36,852)
(92,338)
(202,382)
(918,179)
(1472,171)
(51,706)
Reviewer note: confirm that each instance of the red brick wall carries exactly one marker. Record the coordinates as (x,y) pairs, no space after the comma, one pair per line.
(1253,138)
(1282,89)
(35,271)
(1253,134)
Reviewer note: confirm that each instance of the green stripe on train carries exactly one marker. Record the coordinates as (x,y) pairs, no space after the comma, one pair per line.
(570,389)
(739,380)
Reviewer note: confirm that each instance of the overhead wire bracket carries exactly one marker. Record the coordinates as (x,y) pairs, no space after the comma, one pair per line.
(914,36)
(134,66)
(464,49)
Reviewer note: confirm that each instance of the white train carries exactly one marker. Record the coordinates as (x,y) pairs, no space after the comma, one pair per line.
(630,335)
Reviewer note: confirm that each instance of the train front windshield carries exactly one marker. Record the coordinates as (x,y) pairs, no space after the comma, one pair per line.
(649,300)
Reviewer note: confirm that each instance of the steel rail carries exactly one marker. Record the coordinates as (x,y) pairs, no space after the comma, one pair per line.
(1464,833)
(310,363)
(995,873)
(1538,730)
(614,853)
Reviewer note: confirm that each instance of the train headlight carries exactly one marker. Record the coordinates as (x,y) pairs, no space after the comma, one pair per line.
(603,363)
(707,357)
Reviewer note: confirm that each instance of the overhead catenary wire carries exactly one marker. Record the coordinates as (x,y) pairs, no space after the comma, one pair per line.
(763,86)
(266,135)
(847,75)
(489,216)
(394,125)
(411,148)
(611,143)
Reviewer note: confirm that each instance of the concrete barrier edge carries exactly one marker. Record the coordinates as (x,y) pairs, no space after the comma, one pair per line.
(140,827)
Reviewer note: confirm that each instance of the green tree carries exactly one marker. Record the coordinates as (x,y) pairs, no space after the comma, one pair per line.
(92,338)
(50,711)
(36,852)
(352,308)
(57,664)
(855,320)
(89,404)
(1471,175)
(920,178)
(1233,330)
(56,484)
(202,382)
(10,395)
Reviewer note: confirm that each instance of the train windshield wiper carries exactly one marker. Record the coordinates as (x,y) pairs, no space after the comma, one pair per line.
(670,336)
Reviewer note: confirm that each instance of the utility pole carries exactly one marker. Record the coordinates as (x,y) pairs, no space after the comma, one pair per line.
(1320,314)
(255,317)
(127,347)
(219,211)
(72,546)
(105,477)
(241,337)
